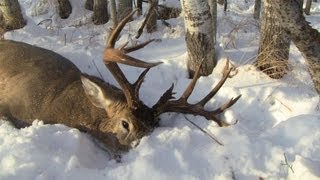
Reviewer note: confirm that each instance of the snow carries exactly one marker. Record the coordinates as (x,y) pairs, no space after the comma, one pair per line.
(277,134)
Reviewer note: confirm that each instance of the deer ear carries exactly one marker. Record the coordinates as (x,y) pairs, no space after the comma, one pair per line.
(95,93)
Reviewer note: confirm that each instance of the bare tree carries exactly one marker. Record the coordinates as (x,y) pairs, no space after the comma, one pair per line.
(274,44)
(113,12)
(302,34)
(124,8)
(152,20)
(199,36)
(257,8)
(100,12)
(139,6)
(65,8)
(89,5)
(308,7)
(10,15)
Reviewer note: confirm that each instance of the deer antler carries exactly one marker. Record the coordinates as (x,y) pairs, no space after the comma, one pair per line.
(113,56)
(166,104)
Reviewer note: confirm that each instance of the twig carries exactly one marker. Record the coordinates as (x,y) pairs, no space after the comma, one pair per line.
(204,131)
(286,163)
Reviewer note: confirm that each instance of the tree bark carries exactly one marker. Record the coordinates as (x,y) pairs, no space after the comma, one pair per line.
(225,6)
(257,8)
(113,12)
(308,7)
(274,44)
(124,8)
(100,12)
(213,12)
(152,21)
(139,6)
(303,35)
(199,36)
(10,15)
(89,5)
(65,8)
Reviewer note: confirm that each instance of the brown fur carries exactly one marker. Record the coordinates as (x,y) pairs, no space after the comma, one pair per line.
(36,83)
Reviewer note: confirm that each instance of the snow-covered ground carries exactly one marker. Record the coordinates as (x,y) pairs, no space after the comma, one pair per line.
(277,135)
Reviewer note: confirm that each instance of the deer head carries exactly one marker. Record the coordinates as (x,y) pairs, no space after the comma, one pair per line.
(147,118)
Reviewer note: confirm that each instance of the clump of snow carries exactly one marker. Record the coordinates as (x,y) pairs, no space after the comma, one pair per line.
(277,130)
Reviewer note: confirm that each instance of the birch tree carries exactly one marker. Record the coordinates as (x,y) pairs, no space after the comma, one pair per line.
(302,34)
(10,15)
(213,12)
(274,44)
(199,36)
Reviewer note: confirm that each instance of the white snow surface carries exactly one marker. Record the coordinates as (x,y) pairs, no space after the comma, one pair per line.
(277,134)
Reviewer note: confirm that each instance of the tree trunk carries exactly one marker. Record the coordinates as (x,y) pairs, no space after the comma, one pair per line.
(308,7)
(152,21)
(124,8)
(303,35)
(10,15)
(100,12)
(225,6)
(113,12)
(199,36)
(213,12)
(89,5)
(65,8)
(257,7)
(139,6)
(274,44)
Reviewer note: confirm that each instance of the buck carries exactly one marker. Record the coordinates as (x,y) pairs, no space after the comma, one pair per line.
(36,83)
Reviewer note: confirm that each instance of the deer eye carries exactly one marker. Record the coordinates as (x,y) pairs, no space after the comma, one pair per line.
(125,125)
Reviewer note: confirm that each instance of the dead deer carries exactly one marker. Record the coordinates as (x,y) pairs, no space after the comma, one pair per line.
(36,83)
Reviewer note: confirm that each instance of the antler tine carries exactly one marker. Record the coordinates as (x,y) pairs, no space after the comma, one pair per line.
(139,82)
(214,91)
(192,84)
(116,56)
(168,95)
(226,105)
(137,47)
(115,33)
(166,104)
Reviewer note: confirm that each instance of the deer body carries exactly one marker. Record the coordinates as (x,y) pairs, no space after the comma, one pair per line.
(36,83)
